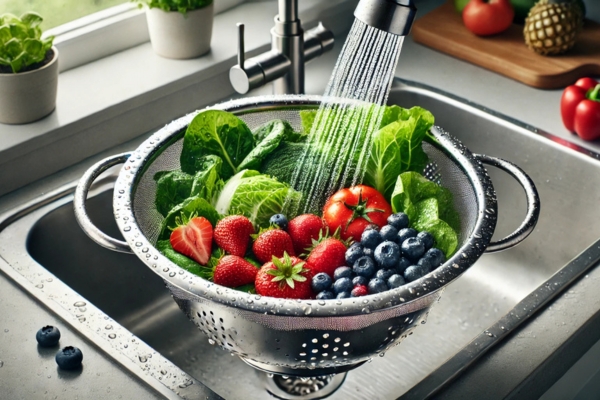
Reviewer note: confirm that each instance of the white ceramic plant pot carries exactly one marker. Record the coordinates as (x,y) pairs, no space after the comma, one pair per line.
(28,96)
(175,35)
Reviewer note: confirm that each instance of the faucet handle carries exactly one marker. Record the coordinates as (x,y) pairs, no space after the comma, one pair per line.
(241,52)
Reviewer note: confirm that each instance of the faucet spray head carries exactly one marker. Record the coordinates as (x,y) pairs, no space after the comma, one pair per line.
(393,16)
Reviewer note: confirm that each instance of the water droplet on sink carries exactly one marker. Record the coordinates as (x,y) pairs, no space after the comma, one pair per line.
(211,342)
(39,286)
(108,327)
(79,303)
(162,371)
(1,364)
(112,336)
(143,358)
(127,228)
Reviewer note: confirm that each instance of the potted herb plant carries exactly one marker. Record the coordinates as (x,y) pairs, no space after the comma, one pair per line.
(179,28)
(28,70)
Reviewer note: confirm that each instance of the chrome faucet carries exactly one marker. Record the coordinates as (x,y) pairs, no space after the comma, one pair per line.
(283,65)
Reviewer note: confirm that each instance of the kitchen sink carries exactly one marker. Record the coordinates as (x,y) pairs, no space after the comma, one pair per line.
(130,314)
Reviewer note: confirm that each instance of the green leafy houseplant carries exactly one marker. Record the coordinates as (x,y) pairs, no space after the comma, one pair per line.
(182,6)
(21,45)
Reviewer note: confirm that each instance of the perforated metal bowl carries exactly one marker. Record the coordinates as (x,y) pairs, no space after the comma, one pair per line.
(301,337)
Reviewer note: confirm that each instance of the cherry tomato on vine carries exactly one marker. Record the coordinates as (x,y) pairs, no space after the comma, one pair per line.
(488,17)
(351,209)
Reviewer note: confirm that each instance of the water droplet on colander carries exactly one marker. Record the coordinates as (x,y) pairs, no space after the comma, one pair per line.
(211,342)
(172,274)
(138,244)
(126,345)
(112,336)
(257,297)
(79,303)
(366,310)
(307,310)
(127,228)
(166,269)
(322,302)
(382,354)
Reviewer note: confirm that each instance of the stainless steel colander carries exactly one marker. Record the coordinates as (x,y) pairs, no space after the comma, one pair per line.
(301,337)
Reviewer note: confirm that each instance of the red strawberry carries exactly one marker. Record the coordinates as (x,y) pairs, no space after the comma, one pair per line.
(284,277)
(303,229)
(234,271)
(326,256)
(232,234)
(193,239)
(272,242)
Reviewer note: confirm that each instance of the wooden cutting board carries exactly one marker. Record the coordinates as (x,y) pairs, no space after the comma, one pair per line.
(507,54)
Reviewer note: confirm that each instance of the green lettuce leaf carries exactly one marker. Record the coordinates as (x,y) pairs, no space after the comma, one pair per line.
(192,206)
(397,148)
(268,137)
(219,133)
(429,207)
(207,182)
(172,188)
(255,195)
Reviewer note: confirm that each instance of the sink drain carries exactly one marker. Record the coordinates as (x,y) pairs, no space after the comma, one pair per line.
(305,388)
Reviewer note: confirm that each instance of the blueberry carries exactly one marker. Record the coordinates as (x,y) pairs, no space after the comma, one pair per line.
(426,238)
(404,234)
(280,220)
(353,253)
(377,285)
(395,281)
(368,252)
(388,232)
(387,254)
(425,264)
(435,256)
(413,273)
(342,285)
(325,295)
(403,263)
(384,274)
(364,266)
(343,295)
(48,336)
(342,272)
(69,358)
(398,220)
(370,238)
(360,280)
(412,248)
(320,282)
(371,226)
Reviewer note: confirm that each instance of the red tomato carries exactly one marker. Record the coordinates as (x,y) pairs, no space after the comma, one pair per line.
(488,17)
(352,209)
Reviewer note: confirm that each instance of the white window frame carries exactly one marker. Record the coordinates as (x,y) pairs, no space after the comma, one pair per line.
(107,32)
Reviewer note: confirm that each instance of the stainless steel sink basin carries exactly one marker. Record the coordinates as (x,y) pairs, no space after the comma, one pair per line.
(120,291)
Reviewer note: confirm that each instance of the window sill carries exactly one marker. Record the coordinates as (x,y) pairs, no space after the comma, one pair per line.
(122,96)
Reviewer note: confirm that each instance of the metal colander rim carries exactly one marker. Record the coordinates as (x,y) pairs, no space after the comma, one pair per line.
(472,248)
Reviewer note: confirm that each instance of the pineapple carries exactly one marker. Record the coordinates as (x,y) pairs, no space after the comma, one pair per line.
(552,26)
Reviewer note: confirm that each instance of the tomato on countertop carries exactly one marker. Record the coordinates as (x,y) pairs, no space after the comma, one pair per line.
(580,108)
(488,17)
(351,209)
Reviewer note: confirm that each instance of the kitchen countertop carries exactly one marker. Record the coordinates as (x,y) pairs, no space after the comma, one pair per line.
(21,315)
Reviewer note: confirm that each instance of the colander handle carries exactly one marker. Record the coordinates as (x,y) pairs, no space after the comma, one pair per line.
(81,214)
(533,204)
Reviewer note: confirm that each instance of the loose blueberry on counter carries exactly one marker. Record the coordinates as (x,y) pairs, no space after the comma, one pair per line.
(377,285)
(359,290)
(387,254)
(412,248)
(395,281)
(354,252)
(384,274)
(426,238)
(388,232)
(404,234)
(370,238)
(343,295)
(320,282)
(280,220)
(342,272)
(413,273)
(342,285)
(69,358)
(360,281)
(364,266)
(48,336)
(325,295)
(435,256)
(398,220)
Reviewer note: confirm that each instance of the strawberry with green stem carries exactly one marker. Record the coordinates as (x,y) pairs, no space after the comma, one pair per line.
(284,277)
